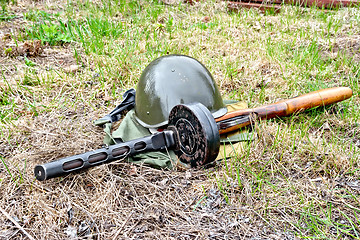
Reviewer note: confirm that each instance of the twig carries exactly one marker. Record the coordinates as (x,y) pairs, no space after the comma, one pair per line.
(16,224)
(123,225)
(47,133)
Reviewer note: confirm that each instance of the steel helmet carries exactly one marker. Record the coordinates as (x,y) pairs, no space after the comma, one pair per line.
(171,80)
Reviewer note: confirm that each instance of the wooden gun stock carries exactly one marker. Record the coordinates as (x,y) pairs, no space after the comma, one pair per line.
(234,120)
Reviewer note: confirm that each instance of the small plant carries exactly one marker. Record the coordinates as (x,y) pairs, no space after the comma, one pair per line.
(30,77)
(4,103)
(5,165)
(5,16)
(8,51)
(50,33)
(29,63)
(3,99)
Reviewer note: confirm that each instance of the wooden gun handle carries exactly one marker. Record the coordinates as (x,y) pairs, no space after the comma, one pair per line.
(289,106)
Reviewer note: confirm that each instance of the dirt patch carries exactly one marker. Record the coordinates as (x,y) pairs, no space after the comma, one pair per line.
(33,58)
(18,58)
(27,49)
(348,46)
(18,55)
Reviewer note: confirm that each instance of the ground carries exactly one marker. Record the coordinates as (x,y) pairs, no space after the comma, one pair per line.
(67,63)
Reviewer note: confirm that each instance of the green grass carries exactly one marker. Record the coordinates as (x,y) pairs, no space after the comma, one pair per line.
(5,165)
(49,32)
(5,16)
(39,15)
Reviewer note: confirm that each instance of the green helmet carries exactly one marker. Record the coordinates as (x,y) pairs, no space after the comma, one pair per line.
(171,80)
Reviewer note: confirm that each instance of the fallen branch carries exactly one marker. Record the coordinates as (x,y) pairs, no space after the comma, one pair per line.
(16,224)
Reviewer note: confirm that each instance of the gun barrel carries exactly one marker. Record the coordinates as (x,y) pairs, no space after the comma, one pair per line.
(157,141)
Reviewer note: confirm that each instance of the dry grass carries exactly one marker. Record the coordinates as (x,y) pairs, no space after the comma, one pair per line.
(298,179)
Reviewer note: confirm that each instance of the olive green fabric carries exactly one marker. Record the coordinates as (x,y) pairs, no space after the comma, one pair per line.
(130,129)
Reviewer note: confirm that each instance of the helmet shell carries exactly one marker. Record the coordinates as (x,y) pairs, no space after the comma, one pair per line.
(171,80)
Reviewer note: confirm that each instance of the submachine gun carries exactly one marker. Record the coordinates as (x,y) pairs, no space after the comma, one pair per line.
(192,132)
